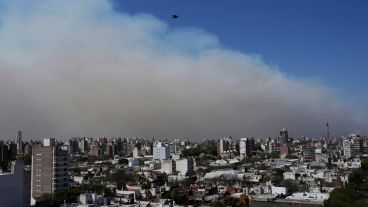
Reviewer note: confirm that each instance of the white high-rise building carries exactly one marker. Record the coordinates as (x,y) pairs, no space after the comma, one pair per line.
(83,145)
(225,145)
(168,166)
(136,152)
(352,145)
(243,147)
(161,152)
(49,142)
(347,146)
(185,166)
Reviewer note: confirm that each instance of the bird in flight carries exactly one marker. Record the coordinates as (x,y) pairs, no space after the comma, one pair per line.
(174,16)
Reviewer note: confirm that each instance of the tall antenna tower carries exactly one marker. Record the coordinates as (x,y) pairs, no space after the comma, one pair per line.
(328,130)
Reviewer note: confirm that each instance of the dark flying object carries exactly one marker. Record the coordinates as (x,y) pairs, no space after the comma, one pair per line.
(174,16)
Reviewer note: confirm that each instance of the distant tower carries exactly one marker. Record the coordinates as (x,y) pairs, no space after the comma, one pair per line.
(19,140)
(284,148)
(19,136)
(284,136)
(328,130)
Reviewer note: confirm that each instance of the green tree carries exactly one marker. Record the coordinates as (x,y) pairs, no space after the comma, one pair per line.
(259,147)
(59,197)
(191,152)
(161,179)
(290,185)
(27,159)
(81,158)
(146,186)
(210,150)
(275,155)
(121,178)
(46,201)
(108,192)
(230,201)
(123,161)
(95,188)
(365,164)
(339,198)
(349,196)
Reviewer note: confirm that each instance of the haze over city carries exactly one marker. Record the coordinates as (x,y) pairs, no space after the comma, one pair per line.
(173,103)
(94,68)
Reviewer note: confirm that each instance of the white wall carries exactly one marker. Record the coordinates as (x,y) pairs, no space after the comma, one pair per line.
(289,176)
(278,190)
(167,166)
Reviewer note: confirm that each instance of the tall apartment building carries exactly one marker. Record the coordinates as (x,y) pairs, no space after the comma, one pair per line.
(74,146)
(272,146)
(352,145)
(124,147)
(12,150)
(50,169)
(173,148)
(185,166)
(83,145)
(308,153)
(168,166)
(19,140)
(4,157)
(243,147)
(226,147)
(161,152)
(284,139)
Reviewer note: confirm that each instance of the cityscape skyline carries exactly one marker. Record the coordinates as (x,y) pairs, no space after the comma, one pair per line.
(116,103)
(18,138)
(89,68)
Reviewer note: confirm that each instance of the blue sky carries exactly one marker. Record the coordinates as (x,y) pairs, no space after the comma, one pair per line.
(323,40)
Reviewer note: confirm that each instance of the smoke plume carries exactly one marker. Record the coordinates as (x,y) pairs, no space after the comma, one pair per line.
(79,68)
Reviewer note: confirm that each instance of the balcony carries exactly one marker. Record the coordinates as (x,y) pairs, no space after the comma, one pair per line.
(58,181)
(60,172)
(61,166)
(58,186)
(60,175)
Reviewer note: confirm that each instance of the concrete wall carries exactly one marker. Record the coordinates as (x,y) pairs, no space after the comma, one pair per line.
(13,187)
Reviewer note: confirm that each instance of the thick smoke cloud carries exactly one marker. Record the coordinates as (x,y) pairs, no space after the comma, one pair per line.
(78,68)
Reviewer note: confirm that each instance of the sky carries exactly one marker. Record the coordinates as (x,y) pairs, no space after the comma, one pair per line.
(125,68)
(323,40)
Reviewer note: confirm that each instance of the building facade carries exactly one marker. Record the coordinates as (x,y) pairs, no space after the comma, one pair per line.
(161,152)
(185,166)
(50,170)
(15,186)
(352,146)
